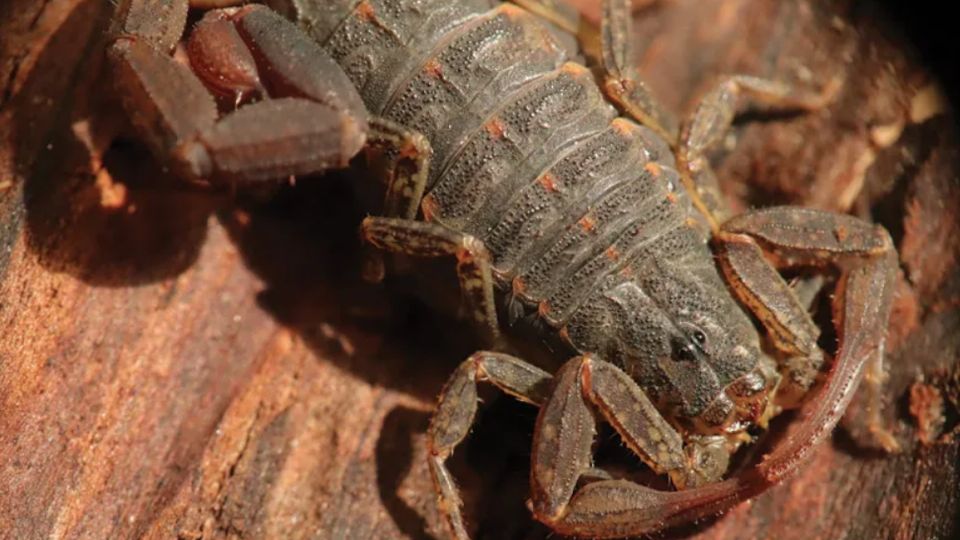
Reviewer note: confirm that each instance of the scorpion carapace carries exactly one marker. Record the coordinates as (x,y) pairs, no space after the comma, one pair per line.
(565,196)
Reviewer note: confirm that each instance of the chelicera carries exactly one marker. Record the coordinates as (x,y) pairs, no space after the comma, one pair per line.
(569,200)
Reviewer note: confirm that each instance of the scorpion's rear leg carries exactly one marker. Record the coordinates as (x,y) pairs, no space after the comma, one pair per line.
(421,239)
(407,155)
(622,82)
(624,87)
(457,408)
(711,119)
(177,116)
(792,237)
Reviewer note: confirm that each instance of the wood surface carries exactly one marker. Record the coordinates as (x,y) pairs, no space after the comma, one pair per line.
(180,363)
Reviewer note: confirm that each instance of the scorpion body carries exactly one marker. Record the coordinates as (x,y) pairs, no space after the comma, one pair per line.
(571,204)
(582,210)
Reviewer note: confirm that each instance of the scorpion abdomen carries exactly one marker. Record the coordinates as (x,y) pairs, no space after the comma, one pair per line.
(570,199)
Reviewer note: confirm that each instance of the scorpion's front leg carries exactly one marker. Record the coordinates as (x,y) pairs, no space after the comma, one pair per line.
(797,237)
(319,124)
(422,239)
(562,449)
(565,428)
(457,408)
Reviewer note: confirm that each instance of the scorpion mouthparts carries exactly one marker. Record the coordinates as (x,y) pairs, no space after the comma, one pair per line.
(752,393)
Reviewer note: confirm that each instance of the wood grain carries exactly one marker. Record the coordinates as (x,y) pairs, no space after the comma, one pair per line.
(176,363)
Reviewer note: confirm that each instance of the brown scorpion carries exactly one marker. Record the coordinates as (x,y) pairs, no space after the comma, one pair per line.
(570,202)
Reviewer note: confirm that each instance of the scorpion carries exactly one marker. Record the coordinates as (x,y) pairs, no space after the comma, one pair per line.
(570,201)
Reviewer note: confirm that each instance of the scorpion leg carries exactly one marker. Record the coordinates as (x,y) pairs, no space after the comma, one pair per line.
(802,237)
(761,288)
(562,444)
(408,153)
(457,408)
(622,82)
(408,163)
(421,239)
(711,119)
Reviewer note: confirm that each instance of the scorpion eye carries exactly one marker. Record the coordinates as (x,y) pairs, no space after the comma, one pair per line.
(699,337)
(683,350)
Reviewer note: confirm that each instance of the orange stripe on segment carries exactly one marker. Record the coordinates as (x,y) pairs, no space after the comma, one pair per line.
(841,233)
(495,128)
(464,257)
(519,287)
(627,271)
(543,308)
(612,253)
(672,197)
(430,207)
(574,69)
(548,181)
(565,335)
(587,223)
(409,150)
(622,126)
(433,68)
(653,168)
(365,11)
(512,11)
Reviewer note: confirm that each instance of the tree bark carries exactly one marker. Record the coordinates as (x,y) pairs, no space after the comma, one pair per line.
(191,364)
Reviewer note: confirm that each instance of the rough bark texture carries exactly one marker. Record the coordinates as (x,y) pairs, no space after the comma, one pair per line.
(185,364)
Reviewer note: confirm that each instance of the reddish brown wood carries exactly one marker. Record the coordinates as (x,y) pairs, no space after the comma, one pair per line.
(182,364)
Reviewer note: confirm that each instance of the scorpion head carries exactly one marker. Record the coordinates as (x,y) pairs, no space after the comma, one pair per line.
(716,377)
(693,350)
